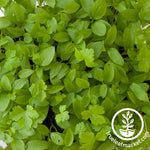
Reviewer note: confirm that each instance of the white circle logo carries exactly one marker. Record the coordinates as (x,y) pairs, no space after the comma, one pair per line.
(127,131)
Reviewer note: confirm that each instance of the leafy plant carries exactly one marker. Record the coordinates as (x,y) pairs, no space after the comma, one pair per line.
(66,66)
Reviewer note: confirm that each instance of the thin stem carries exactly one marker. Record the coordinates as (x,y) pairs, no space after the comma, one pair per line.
(52,126)
(145,123)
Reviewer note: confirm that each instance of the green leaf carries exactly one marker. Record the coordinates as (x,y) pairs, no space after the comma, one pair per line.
(101,135)
(143,58)
(18,145)
(87,140)
(62,108)
(99,28)
(99,9)
(25,73)
(5,83)
(111,35)
(134,99)
(15,32)
(128,38)
(62,4)
(144,14)
(77,107)
(4,101)
(3,3)
(57,139)
(24,118)
(55,69)
(85,100)
(51,3)
(98,74)
(37,145)
(82,83)
(115,56)
(139,92)
(55,89)
(61,37)
(146,109)
(66,51)
(108,108)
(103,90)
(97,47)
(80,128)
(108,145)
(17,113)
(78,55)
(97,110)
(43,129)
(130,14)
(18,84)
(109,72)
(3,41)
(71,8)
(4,23)
(69,137)
(87,55)
(87,5)
(120,74)
(86,114)
(27,38)
(22,96)
(15,13)
(97,119)
(46,56)
(63,116)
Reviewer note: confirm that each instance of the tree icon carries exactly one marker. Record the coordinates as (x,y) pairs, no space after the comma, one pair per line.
(128,124)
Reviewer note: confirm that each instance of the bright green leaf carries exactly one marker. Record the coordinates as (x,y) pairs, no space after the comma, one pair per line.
(69,137)
(46,56)
(15,13)
(4,23)
(51,3)
(37,145)
(18,145)
(109,72)
(57,139)
(99,28)
(71,8)
(87,140)
(101,135)
(115,56)
(111,35)
(61,37)
(99,9)
(18,84)
(5,83)
(139,92)
(103,90)
(82,83)
(87,5)
(25,73)
(130,14)
(4,101)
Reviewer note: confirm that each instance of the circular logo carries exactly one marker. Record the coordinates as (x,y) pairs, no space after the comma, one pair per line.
(124,125)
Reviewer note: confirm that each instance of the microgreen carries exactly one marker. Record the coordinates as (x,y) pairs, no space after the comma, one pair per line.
(66,66)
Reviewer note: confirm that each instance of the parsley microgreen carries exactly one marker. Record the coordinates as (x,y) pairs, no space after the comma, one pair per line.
(66,66)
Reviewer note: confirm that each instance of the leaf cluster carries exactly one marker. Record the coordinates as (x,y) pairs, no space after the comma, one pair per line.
(66,66)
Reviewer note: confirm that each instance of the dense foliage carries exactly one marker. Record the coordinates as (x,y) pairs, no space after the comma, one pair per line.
(67,66)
